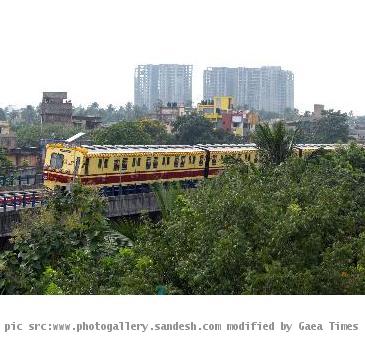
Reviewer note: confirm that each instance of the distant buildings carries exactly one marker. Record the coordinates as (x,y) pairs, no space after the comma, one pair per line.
(221,112)
(163,83)
(267,88)
(55,108)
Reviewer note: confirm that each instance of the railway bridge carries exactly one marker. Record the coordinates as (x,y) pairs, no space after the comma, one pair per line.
(117,205)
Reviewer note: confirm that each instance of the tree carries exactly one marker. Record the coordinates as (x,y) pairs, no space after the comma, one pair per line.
(275,143)
(2,115)
(332,127)
(193,129)
(5,163)
(71,226)
(29,114)
(30,135)
(293,229)
(143,132)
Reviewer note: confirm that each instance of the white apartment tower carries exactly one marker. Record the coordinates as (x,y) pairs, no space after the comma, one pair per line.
(164,82)
(267,88)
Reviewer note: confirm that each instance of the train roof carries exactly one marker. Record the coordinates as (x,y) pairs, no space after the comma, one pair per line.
(315,146)
(229,147)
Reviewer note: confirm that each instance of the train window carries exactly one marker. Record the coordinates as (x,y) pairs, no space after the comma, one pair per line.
(190,159)
(148,163)
(163,160)
(167,160)
(105,163)
(249,157)
(138,161)
(246,156)
(116,164)
(176,162)
(214,160)
(182,162)
(87,161)
(155,162)
(56,160)
(194,158)
(133,162)
(100,163)
(201,160)
(124,163)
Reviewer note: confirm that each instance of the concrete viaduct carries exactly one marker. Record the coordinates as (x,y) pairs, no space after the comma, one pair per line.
(117,206)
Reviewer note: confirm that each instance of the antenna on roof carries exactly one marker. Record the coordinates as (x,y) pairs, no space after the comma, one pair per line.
(75,137)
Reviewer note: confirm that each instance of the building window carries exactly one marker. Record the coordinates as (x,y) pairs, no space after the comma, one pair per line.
(116,164)
(182,162)
(155,162)
(124,163)
(105,163)
(176,162)
(148,163)
(100,163)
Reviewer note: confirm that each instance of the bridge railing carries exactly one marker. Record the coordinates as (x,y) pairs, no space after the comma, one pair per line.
(16,201)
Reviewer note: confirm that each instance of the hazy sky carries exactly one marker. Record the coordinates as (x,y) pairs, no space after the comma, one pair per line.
(90,48)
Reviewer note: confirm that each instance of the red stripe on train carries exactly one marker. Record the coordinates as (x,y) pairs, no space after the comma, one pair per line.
(136,177)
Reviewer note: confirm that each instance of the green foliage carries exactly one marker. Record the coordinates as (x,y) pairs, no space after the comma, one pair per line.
(192,130)
(144,132)
(332,127)
(293,229)
(47,237)
(167,196)
(31,134)
(275,143)
(5,163)
(2,115)
(297,228)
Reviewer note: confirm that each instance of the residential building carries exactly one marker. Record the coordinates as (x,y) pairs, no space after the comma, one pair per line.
(55,108)
(215,107)
(163,83)
(169,113)
(7,137)
(267,88)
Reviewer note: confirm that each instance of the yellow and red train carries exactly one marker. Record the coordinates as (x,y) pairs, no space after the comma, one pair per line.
(108,166)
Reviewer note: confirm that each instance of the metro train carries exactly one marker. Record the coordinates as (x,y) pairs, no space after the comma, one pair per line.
(108,166)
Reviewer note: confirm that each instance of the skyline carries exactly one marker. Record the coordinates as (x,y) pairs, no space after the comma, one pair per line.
(91,50)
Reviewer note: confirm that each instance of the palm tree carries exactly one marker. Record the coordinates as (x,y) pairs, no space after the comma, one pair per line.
(275,143)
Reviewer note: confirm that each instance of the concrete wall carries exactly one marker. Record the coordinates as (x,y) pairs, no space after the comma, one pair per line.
(132,204)
(7,221)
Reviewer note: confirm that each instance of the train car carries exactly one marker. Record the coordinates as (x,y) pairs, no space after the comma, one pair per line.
(216,155)
(306,149)
(104,166)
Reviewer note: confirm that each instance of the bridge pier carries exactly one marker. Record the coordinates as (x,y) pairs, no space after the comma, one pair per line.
(131,204)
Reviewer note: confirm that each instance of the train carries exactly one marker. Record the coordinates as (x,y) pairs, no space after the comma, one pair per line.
(106,166)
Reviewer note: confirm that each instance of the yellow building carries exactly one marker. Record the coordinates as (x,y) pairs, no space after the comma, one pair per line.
(212,109)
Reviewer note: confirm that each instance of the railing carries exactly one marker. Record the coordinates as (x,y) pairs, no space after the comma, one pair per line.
(20,200)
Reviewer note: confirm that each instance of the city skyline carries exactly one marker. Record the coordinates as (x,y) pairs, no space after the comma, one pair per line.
(48,51)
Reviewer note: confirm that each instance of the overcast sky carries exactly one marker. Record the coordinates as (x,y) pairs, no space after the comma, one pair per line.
(90,48)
